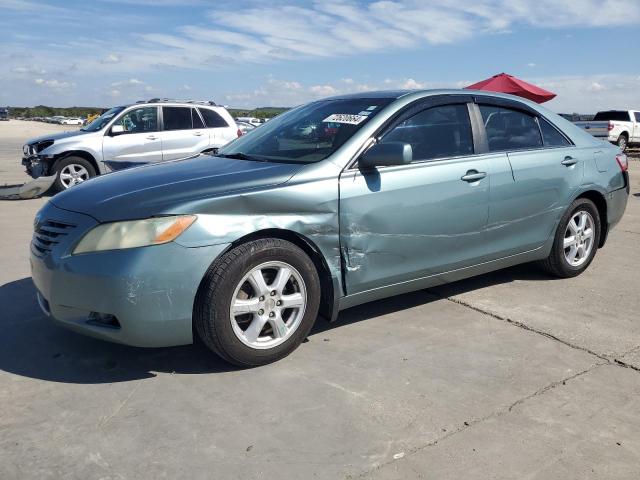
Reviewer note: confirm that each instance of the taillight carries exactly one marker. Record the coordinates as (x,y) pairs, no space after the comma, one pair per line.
(239,132)
(623,162)
(610,126)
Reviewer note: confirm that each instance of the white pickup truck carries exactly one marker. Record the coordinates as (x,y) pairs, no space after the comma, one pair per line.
(621,127)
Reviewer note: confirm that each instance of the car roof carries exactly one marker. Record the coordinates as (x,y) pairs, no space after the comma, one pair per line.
(395,94)
(173,104)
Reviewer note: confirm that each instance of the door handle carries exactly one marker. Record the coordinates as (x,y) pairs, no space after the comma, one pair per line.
(152,137)
(197,134)
(473,176)
(569,161)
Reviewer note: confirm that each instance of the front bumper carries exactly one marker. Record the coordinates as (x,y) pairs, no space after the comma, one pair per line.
(149,290)
(35,166)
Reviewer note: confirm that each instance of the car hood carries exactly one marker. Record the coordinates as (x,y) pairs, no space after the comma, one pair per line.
(167,187)
(58,136)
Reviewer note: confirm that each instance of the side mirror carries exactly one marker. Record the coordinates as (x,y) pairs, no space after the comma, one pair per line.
(117,130)
(384,154)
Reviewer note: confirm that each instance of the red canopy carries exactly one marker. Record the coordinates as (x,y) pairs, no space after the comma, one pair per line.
(509,84)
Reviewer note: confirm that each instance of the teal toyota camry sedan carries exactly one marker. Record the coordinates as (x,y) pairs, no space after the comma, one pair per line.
(332,204)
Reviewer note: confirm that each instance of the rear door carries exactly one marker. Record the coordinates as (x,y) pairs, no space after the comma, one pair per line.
(138,142)
(400,223)
(183,133)
(219,129)
(531,190)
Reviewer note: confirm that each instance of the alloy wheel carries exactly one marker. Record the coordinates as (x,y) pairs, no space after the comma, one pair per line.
(268,305)
(73,174)
(578,238)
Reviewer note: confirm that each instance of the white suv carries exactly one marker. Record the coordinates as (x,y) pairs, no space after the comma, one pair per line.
(130,135)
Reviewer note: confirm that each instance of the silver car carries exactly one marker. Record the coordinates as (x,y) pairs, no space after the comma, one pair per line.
(130,135)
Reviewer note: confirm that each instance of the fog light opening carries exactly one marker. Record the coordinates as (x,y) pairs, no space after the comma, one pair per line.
(103,320)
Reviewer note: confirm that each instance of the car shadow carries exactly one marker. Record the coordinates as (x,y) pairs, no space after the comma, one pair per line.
(32,346)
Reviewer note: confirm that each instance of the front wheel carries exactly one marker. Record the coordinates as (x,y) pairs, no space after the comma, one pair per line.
(258,302)
(71,171)
(576,240)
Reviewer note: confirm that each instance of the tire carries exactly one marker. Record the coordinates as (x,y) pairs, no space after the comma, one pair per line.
(559,263)
(231,282)
(622,142)
(71,166)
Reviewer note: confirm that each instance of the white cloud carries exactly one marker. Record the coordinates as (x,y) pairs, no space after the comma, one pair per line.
(111,58)
(596,87)
(574,93)
(411,84)
(132,82)
(289,30)
(54,84)
(322,90)
(531,64)
(28,70)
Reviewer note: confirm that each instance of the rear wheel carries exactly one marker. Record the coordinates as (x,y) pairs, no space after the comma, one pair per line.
(258,302)
(622,142)
(576,240)
(71,171)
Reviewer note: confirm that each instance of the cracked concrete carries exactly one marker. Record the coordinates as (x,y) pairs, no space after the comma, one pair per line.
(509,375)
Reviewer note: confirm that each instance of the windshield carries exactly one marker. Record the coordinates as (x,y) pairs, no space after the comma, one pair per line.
(100,122)
(306,134)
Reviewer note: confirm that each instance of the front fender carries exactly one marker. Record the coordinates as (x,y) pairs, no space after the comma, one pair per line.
(307,206)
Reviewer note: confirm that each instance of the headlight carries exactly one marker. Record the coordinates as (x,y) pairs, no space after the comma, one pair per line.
(136,233)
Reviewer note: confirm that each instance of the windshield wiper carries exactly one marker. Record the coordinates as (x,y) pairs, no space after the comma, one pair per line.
(240,156)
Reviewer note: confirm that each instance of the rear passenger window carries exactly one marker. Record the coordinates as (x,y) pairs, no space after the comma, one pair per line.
(637,115)
(551,136)
(212,119)
(437,132)
(195,119)
(510,129)
(176,118)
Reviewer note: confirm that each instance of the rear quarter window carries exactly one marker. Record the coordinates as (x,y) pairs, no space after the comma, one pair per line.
(551,136)
(213,119)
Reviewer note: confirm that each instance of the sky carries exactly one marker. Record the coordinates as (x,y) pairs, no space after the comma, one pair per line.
(246,53)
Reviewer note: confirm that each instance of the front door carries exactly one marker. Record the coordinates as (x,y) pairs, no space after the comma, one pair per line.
(138,141)
(183,133)
(401,223)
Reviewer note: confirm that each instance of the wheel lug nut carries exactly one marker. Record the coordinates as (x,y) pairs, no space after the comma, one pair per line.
(278,303)
(273,293)
(261,298)
(260,312)
(271,314)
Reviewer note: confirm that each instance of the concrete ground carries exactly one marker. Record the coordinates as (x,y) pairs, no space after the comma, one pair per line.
(508,375)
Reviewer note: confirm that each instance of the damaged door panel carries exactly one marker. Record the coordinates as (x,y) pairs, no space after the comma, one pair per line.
(402,223)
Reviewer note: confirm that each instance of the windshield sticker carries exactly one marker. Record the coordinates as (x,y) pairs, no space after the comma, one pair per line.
(372,107)
(345,118)
(365,113)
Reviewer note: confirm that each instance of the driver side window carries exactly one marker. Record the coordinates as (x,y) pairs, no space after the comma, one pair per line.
(437,132)
(139,120)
